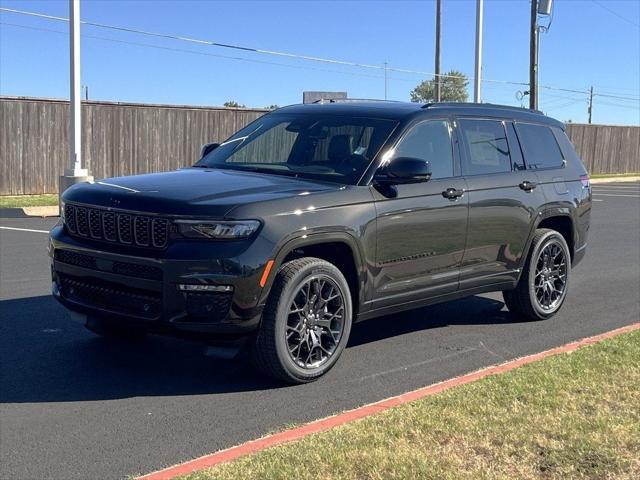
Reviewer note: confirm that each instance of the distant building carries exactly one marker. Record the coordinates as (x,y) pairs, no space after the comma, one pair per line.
(312,97)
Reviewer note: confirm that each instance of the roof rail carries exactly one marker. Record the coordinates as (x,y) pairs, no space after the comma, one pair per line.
(478,105)
(347,100)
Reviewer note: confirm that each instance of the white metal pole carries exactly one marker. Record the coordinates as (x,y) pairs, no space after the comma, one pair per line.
(75,93)
(478,70)
(385,80)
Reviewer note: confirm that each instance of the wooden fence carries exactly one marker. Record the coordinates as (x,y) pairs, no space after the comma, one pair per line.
(607,148)
(117,139)
(125,138)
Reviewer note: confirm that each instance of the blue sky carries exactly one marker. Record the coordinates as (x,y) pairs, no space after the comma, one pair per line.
(589,43)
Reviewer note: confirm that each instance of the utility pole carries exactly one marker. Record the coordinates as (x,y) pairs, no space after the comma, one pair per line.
(533,57)
(478,70)
(590,103)
(75,173)
(437,69)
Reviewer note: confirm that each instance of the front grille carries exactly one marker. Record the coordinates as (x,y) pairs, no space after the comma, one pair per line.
(116,227)
(110,296)
(147,272)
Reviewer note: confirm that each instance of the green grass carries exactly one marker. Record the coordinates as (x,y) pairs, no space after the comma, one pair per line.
(11,201)
(571,416)
(611,175)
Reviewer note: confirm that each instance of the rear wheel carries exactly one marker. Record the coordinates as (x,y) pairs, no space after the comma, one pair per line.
(543,285)
(306,322)
(115,331)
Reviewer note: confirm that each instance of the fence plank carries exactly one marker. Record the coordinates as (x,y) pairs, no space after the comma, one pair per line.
(125,139)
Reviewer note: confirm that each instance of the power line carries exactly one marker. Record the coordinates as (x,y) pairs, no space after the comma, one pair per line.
(634,99)
(194,52)
(219,44)
(272,52)
(613,12)
(612,104)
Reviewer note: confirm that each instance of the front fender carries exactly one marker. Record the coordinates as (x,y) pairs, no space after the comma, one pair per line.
(300,241)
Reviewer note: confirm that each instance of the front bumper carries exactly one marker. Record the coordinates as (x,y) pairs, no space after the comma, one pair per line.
(136,286)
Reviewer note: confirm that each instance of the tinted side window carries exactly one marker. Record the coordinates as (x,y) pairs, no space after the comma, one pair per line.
(540,147)
(487,147)
(514,146)
(431,141)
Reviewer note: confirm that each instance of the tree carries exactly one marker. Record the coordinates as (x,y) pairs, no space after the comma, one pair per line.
(272,107)
(234,104)
(453,88)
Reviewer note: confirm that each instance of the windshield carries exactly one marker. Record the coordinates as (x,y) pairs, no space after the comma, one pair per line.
(323,147)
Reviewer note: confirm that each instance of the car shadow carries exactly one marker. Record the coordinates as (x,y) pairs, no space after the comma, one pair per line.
(46,357)
(466,311)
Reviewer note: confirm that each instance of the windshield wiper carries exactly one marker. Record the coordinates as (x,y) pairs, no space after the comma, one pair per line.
(274,171)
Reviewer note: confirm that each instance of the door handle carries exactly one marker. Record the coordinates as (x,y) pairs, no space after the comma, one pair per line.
(452,193)
(527,186)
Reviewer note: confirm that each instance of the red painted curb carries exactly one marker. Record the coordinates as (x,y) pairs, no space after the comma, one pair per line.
(368,410)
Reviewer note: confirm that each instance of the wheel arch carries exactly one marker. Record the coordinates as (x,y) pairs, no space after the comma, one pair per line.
(562,222)
(338,248)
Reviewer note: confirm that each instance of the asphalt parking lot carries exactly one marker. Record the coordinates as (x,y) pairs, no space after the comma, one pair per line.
(76,406)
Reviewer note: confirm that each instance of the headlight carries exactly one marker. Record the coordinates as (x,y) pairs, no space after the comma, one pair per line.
(219,230)
(61,211)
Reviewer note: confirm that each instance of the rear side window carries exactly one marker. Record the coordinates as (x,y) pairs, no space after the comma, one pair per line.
(486,145)
(540,147)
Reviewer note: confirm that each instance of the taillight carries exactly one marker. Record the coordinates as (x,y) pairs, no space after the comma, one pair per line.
(584,179)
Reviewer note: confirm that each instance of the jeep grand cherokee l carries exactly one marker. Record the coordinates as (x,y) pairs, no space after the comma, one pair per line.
(317,216)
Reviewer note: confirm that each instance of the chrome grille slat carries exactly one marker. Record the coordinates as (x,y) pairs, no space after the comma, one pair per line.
(116,226)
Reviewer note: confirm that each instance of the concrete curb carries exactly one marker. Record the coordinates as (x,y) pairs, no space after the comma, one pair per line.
(614,179)
(324,424)
(25,212)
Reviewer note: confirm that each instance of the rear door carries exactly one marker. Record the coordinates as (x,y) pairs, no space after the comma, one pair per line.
(421,232)
(504,199)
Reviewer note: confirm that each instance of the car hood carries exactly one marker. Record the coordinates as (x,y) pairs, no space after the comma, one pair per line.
(192,191)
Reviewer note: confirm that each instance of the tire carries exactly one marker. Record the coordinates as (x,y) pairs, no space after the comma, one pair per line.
(537,295)
(113,331)
(289,345)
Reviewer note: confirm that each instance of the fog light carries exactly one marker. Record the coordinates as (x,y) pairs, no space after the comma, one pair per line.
(204,288)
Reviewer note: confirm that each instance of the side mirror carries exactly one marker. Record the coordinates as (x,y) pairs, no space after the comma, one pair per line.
(403,170)
(208,148)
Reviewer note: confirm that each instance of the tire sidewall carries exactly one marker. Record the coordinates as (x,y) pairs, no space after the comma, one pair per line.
(282,312)
(547,238)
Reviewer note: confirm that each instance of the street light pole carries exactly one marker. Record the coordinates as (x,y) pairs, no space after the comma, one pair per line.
(75,173)
(437,69)
(478,69)
(385,79)
(75,93)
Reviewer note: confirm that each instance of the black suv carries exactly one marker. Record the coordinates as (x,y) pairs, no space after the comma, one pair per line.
(317,216)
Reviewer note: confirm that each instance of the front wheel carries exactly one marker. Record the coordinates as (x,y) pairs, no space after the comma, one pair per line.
(543,285)
(306,322)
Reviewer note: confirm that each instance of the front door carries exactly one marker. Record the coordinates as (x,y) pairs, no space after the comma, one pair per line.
(421,227)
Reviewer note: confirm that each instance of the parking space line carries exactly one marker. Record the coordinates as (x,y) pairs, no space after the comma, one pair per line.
(616,195)
(24,229)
